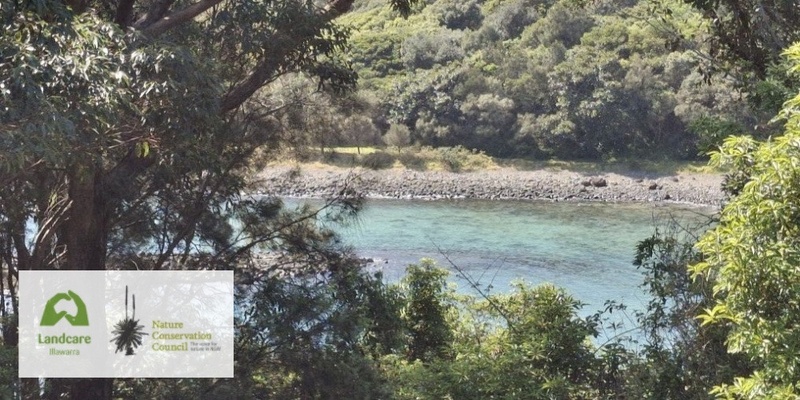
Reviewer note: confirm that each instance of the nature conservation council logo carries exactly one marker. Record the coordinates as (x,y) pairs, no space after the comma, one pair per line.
(128,333)
(50,317)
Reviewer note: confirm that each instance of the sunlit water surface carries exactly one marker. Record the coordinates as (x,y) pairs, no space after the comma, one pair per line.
(587,248)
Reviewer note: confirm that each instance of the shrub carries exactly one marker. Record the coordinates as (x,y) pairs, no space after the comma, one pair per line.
(411,160)
(451,158)
(458,159)
(378,160)
(536,347)
(711,132)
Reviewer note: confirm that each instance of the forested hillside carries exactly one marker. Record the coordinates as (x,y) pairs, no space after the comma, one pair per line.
(543,79)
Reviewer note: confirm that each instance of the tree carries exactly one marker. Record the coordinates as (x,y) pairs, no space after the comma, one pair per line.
(315,326)
(527,344)
(425,101)
(562,24)
(129,127)
(752,256)
(490,119)
(508,19)
(681,358)
(458,14)
(743,40)
(398,135)
(307,119)
(425,50)
(612,80)
(750,34)
(425,312)
(360,131)
(619,87)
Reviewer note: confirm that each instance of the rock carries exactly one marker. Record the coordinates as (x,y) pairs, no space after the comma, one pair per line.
(488,184)
(667,197)
(598,182)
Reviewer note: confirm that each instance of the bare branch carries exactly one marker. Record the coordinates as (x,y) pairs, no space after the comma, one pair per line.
(475,286)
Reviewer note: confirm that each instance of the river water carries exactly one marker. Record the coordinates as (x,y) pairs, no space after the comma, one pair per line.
(586,248)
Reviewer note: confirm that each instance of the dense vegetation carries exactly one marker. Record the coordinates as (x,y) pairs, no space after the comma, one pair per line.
(130,129)
(545,78)
(128,133)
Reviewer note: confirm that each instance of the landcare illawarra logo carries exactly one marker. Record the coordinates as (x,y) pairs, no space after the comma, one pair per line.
(50,317)
(128,333)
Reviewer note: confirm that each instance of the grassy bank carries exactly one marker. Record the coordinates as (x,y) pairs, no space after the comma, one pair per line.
(460,159)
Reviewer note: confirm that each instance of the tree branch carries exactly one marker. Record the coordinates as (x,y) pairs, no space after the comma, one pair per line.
(339,6)
(152,26)
(78,6)
(476,286)
(264,71)
(124,14)
(172,20)
(157,11)
(242,91)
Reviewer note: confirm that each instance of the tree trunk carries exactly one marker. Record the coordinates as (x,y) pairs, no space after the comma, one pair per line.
(86,233)
(87,225)
(89,389)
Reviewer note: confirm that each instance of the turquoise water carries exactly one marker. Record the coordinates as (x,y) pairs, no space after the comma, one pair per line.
(586,248)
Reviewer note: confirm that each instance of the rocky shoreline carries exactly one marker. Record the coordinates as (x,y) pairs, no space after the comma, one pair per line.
(503,183)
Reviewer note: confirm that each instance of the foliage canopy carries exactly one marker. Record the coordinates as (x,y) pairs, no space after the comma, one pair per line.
(128,132)
(753,256)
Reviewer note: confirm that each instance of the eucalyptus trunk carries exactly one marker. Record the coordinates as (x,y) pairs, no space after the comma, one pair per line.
(85,236)
(86,229)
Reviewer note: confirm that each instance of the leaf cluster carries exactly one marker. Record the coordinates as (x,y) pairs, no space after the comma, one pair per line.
(752,256)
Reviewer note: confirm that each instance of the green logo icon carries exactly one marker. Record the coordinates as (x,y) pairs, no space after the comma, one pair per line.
(50,317)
